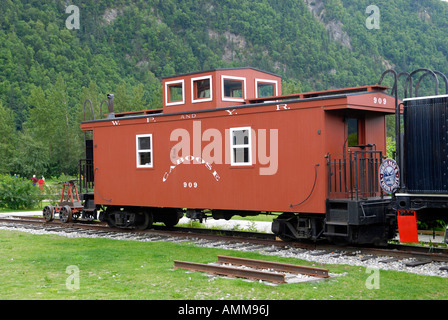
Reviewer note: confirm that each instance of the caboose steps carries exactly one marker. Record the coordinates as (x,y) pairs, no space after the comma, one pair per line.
(359,221)
(357,212)
(339,229)
(345,221)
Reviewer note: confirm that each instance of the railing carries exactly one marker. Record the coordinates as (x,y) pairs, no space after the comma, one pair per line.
(85,175)
(354,175)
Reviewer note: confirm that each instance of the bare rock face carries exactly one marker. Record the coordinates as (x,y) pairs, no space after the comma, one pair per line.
(337,34)
(334,27)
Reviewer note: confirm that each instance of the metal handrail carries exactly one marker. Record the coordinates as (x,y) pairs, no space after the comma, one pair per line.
(355,176)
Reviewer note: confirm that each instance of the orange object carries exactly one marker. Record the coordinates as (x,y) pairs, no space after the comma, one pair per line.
(407,225)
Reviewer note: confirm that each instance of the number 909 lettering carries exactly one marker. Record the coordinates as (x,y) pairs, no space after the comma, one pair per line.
(190,184)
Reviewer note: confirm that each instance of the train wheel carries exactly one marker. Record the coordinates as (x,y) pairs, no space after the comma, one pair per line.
(65,214)
(48,213)
(171,217)
(110,220)
(108,215)
(283,225)
(144,220)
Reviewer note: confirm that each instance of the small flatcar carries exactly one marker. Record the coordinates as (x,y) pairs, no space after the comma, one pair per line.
(227,142)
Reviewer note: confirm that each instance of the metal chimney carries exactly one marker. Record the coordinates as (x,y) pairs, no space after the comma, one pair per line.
(110,105)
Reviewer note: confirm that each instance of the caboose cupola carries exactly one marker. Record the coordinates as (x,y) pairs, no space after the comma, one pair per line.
(217,88)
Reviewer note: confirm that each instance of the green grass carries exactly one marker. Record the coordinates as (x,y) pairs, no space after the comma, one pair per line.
(38,207)
(34,267)
(260,217)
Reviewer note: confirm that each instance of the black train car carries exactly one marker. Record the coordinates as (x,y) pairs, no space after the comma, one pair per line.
(423,155)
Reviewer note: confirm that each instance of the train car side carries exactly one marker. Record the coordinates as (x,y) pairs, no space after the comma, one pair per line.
(192,165)
(224,146)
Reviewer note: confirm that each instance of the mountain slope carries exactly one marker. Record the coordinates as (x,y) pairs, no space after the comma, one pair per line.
(126,46)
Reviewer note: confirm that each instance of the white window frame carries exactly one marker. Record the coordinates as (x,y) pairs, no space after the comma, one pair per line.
(257,81)
(224,98)
(193,100)
(167,93)
(139,151)
(235,146)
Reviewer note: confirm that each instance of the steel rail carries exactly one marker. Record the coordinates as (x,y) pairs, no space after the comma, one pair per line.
(231,271)
(277,266)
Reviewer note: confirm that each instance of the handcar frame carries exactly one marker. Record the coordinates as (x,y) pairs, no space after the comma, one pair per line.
(70,207)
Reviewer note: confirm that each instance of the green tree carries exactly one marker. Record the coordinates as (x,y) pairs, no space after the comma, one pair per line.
(30,156)
(52,123)
(7,139)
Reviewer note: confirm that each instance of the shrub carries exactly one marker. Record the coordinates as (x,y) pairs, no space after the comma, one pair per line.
(53,193)
(18,193)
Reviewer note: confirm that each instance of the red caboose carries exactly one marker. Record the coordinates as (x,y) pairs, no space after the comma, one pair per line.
(228,143)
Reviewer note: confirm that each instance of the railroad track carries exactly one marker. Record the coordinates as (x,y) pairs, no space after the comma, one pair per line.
(409,256)
(103,225)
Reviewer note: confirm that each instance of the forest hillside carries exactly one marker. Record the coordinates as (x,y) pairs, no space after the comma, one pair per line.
(56,53)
